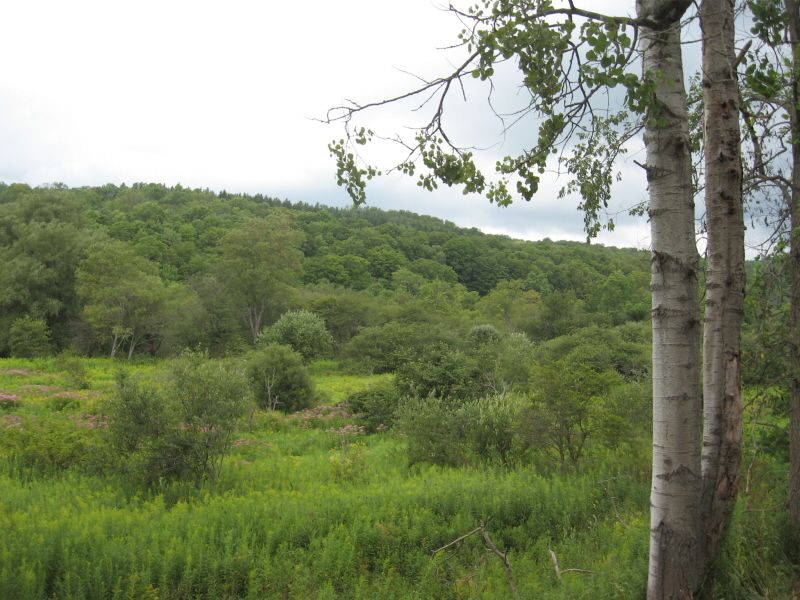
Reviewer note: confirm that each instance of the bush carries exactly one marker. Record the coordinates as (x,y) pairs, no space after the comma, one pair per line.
(29,338)
(447,432)
(301,330)
(574,403)
(385,348)
(74,369)
(441,371)
(376,406)
(48,446)
(182,430)
(493,422)
(481,335)
(348,463)
(513,367)
(435,430)
(279,378)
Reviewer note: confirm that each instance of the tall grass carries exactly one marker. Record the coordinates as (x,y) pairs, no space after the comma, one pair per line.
(304,510)
(299,533)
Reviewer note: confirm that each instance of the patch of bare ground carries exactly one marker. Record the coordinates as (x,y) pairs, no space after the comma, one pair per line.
(9,400)
(248,442)
(69,395)
(324,412)
(39,389)
(89,421)
(11,422)
(17,372)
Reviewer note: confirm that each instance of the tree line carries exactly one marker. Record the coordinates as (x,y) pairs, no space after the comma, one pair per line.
(146,269)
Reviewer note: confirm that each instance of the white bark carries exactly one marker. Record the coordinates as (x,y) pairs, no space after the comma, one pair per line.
(725,275)
(254,316)
(675,534)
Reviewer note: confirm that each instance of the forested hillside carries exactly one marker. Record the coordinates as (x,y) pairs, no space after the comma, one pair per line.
(149,269)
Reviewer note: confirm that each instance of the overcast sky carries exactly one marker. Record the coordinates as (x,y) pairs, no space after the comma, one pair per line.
(224,95)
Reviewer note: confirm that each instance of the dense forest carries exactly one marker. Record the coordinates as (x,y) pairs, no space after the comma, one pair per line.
(224,396)
(149,269)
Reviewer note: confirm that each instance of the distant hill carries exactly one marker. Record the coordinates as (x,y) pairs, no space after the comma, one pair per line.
(47,233)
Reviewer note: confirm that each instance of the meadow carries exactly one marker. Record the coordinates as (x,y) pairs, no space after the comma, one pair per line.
(309,506)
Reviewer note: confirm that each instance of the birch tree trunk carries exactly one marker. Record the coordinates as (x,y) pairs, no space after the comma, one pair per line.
(725,276)
(793,11)
(675,533)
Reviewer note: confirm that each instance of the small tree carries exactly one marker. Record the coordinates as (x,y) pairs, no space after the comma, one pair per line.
(29,338)
(279,379)
(440,370)
(567,409)
(375,406)
(210,397)
(182,430)
(122,293)
(303,331)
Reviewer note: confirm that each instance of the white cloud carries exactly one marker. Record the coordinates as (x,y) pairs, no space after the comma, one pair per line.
(222,95)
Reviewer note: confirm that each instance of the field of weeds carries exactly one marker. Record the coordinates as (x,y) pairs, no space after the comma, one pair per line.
(308,505)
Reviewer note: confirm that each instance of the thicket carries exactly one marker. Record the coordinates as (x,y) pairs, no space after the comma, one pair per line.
(181,429)
(261,530)
(279,378)
(29,338)
(301,330)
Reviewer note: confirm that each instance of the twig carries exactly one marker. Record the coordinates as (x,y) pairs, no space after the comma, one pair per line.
(554,560)
(560,571)
(503,556)
(742,53)
(458,539)
(490,545)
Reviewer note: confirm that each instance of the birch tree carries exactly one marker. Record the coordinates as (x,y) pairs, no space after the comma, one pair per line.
(674,570)
(259,260)
(569,58)
(123,295)
(725,274)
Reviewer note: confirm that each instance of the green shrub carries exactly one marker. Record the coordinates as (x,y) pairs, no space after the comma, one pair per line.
(74,369)
(376,406)
(513,365)
(29,338)
(447,432)
(435,430)
(385,348)
(441,371)
(279,379)
(348,463)
(182,430)
(574,402)
(49,446)
(492,421)
(301,330)
(481,335)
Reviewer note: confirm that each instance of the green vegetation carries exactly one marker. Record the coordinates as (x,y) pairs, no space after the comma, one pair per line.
(359,395)
(279,379)
(303,331)
(306,506)
(149,270)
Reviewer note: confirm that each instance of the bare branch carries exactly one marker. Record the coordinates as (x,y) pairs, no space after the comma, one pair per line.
(458,539)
